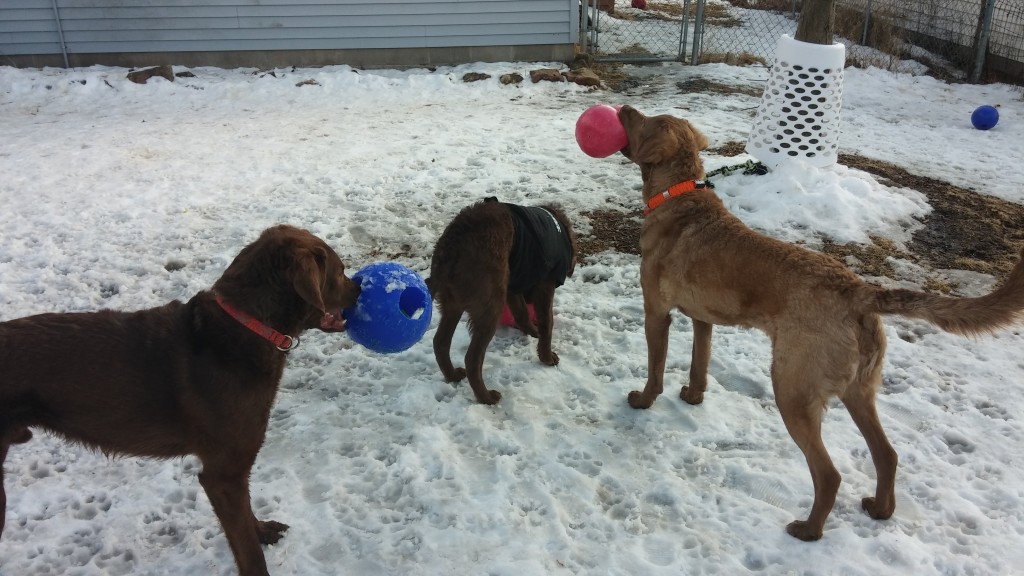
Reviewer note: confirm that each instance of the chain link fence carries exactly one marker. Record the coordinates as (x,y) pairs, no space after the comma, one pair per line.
(616,31)
(960,40)
(957,40)
(747,29)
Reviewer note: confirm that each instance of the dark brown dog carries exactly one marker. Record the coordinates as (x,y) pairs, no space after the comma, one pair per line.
(493,254)
(194,378)
(823,321)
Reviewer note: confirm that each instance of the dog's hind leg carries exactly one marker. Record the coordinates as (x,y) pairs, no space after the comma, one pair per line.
(656,325)
(859,399)
(443,343)
(700,359)
(543,304)
(802,414)
(861,406)
(483,322)
(517,306)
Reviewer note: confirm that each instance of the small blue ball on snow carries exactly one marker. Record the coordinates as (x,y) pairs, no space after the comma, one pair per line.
(985,117)
(393,309)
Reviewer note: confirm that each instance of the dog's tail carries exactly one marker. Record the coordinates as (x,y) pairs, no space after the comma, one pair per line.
(965,316)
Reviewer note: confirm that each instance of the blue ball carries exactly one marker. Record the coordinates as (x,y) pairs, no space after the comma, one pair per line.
(985,117)
(393,309)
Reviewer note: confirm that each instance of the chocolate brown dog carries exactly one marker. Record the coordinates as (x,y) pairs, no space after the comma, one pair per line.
(493,254)
(824,322)
(194,378)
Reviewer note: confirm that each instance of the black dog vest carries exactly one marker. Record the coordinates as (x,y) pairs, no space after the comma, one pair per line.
(540,249)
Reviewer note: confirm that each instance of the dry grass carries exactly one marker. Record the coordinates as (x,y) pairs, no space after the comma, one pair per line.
(770,5)
(882,35)
(705,85)
(611,230)
(733,59)
(719,15)
(635,49)
(729,149)
(668,8)
(965,230)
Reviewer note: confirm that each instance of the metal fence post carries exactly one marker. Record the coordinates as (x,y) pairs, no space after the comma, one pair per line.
(60,34)
(698,32)
(981,40)
(684,32)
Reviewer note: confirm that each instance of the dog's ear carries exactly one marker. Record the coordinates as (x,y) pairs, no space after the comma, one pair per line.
(655,145)
(665,138)
(696,137)
(309,275)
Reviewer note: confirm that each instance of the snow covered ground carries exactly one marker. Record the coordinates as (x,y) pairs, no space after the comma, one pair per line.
(117,195)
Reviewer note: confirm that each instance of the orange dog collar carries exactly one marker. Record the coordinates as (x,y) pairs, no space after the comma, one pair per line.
(677,190)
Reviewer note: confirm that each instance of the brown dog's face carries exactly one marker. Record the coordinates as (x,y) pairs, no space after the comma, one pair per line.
(655,140)
(319,278)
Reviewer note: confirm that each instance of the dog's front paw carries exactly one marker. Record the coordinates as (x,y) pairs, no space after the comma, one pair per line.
(691,395)
(803,530)
(457,375)
(876,510)
(551,359)
(270,532)
(637,399)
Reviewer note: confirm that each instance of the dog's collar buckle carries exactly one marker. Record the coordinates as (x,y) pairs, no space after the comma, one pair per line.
(283,342)
(677,190)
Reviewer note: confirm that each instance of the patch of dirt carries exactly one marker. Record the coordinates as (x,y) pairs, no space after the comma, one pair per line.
(729,149)
(636,50)
(871,259)
(733,59)
(769,5)
(705,85)
(669,8)
(718,15)
(612,75)
(965,230)
(610,230)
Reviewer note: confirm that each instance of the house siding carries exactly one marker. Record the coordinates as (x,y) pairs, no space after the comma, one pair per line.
(296,32)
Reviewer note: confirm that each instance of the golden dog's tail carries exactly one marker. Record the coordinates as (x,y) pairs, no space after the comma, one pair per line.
(965,316)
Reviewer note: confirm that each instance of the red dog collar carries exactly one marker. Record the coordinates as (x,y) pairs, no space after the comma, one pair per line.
(677,190)
(283,342)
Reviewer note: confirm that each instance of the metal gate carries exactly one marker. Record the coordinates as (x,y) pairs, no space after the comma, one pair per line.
(659,32)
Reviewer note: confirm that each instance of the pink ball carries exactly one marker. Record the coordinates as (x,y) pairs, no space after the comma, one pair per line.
(599,132)
(507,319)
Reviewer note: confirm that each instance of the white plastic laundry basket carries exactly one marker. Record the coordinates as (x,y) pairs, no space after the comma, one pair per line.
(799,112)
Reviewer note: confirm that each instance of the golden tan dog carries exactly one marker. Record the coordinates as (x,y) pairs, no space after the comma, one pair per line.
(823,321)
